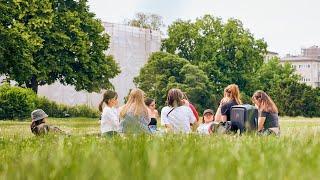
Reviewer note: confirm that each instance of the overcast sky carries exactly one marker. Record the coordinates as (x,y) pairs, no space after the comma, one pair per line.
(286,25)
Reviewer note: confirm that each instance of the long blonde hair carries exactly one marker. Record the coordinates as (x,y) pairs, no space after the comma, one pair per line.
(135,104)
(232,92)
(266,104)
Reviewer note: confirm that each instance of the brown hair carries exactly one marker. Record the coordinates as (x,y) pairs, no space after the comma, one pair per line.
(232,91)
(108,95)
(135,104)
(265,102)
(175,97)
(148,101)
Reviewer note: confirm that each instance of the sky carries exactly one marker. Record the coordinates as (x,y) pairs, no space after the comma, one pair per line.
(286,25)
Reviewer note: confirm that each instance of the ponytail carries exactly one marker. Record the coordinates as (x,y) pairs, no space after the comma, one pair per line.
(108,95)
(100,105)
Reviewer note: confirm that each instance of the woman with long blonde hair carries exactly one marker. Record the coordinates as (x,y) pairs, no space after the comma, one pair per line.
(268,121)
(231,97)
(134,116)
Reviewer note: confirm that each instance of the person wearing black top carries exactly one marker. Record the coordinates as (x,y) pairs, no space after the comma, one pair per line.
(151,104)
(231,98)
(268,121)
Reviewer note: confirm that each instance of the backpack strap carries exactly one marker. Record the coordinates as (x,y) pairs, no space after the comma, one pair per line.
(170,112)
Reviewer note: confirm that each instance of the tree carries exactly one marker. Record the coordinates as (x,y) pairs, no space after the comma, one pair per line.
(170,71)
(145,20)
(282,84)
(47,41)
(227,52)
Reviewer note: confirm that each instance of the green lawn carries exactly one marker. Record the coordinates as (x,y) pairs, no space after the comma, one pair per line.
(85,155)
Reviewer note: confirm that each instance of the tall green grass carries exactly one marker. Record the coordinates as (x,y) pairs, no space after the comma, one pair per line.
(85,155)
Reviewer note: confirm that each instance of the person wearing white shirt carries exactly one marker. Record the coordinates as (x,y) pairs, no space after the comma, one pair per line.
(177,117)
(207,121)
(110,115)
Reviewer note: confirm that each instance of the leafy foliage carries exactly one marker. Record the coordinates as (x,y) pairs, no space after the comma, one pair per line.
(16,103)
(145,20)
(227,52)
(170,71)
(45,41)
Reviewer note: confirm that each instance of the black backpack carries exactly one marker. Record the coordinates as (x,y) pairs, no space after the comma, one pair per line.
(244,117)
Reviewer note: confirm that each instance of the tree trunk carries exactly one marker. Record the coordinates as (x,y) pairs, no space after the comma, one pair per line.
(33,84)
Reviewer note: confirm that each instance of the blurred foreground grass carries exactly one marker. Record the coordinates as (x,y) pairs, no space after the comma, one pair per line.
(85,155)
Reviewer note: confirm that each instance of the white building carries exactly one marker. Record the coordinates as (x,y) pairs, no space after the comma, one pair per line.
(307,65)
(131,47)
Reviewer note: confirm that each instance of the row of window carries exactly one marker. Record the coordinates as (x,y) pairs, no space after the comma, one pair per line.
(301,66)
(305,79)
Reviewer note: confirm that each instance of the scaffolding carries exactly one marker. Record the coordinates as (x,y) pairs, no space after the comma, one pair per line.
(131,48)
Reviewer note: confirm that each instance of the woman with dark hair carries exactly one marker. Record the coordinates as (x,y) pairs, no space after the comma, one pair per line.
(110,123)
(231,98)
(153,113)
(268,121)
(176,116)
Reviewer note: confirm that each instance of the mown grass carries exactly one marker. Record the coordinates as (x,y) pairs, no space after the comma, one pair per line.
(85,155)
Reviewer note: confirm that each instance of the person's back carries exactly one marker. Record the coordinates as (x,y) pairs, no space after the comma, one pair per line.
(179,118)
(134,115)
(133,124)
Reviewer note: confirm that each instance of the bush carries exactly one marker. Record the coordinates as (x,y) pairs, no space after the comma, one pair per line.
(60,110)
(16,103)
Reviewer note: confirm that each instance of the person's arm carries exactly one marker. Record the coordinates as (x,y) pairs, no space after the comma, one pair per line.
(156,113)
(192,118)
(194,111)
(217,117)
(261,121)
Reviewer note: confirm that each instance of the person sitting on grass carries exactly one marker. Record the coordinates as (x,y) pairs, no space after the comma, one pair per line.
(151,104)
(38,125)
(134,115)
(231,98)
(268,121)
(177,116)
(110,123)
(207,121)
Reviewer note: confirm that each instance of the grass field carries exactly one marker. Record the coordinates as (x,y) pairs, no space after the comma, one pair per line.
(85,155)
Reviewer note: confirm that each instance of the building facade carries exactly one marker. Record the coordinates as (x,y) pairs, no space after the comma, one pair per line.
(307,65)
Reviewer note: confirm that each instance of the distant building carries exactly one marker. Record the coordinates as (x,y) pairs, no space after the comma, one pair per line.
(270,55)
(307,65)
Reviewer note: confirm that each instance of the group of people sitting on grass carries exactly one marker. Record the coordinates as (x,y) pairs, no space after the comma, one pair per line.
(139,115)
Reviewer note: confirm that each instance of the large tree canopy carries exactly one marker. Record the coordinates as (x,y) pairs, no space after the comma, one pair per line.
(169,71)
(43,41)
(227,52)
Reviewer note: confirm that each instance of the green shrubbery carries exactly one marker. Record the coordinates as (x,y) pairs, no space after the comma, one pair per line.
(18,103)
(60,110)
